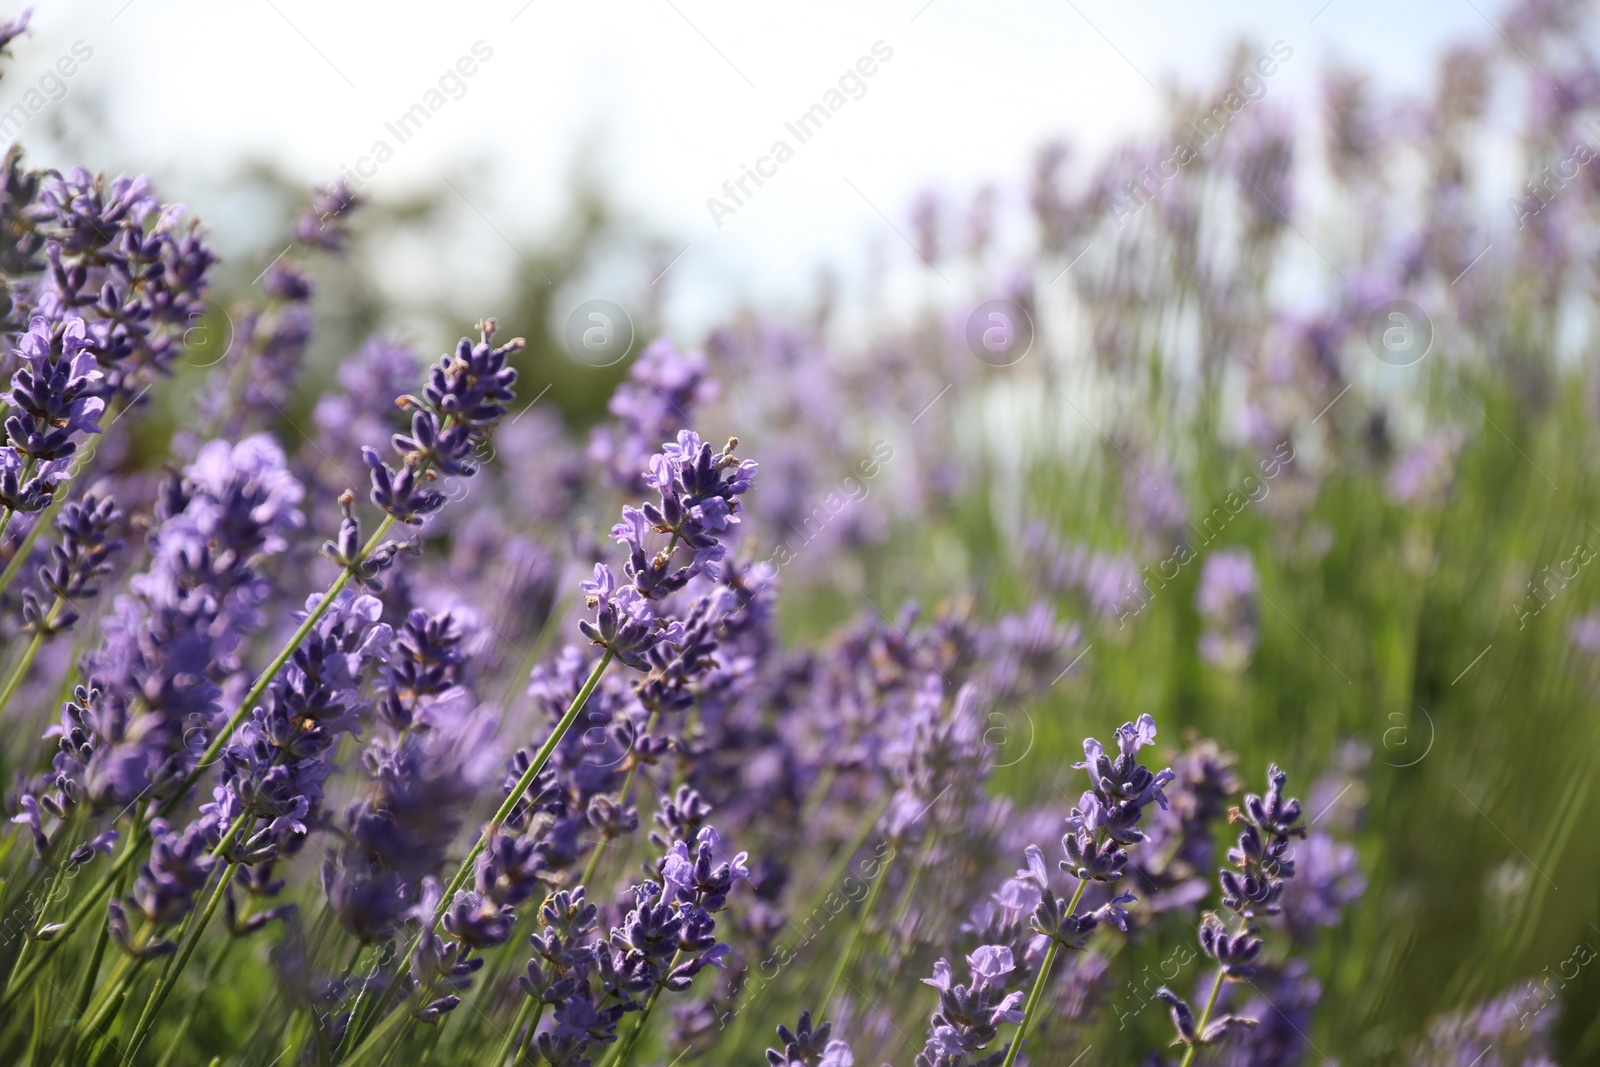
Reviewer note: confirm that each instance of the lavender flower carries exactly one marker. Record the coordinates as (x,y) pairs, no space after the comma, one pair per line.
(169,648)
(362,408)
(969,1016)
(424,766)
(1154,502)
(1252,890)
(805,1046)
(1272,1026)
(275,763)
(127,266)
(11,29)
(83,554)
(1422,476)
(1031,651)
(325,221)
(1584,632)
(1510,1030)
(180,865)
(698,495)
(465,395)
(53,400)
(657,401)
(1226,601)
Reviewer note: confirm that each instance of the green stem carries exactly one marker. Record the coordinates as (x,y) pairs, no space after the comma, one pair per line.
(509,805)
(627,787)
(1039,981)
(46,518)
(168,1057)
(100,1010)
(26,661)
(819,793)
(140,833)
(28,467)
(849,952)
(911,885)
(91,973)
(248,703)
(1205,1016)
(680,770)
(511,1043)
(530,1042)
(19,979)
(163,989)
(625,1048)
(37,922)
(40,1027)
(388,1031)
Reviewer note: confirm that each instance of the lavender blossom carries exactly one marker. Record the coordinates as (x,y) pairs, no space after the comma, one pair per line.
(805,1046)
(1422,477)
(83,554)
(698,495)
(274,765)
(1154,503)
(1030,652)
(127,266)
(656,402)
(1583,632)
(11,29)
(465,395)
(1263,864)
(53,400)
(1510,1030)
(424,766)
(325,220)
(164,892)
(1226,601)
(171,646)
(362,408)
(969,1016)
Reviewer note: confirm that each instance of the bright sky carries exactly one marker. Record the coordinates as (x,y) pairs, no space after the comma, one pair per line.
(666,100)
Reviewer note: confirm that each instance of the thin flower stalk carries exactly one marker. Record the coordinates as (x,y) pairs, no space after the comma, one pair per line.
(459,879)
(847,957)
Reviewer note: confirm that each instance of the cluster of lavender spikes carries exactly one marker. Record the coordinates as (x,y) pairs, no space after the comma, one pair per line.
(1262,861)
(208,768)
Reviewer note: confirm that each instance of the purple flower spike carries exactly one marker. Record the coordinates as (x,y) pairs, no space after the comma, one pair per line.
(805,1046)
(466,394)
(624,621)
(969,1016)
(1262,865)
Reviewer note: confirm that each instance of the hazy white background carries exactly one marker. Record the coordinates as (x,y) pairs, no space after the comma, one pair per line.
(663,100)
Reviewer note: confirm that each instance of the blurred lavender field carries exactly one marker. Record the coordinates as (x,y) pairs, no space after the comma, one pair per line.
(608,692)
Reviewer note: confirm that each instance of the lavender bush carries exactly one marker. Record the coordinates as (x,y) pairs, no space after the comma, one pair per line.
(387,712)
